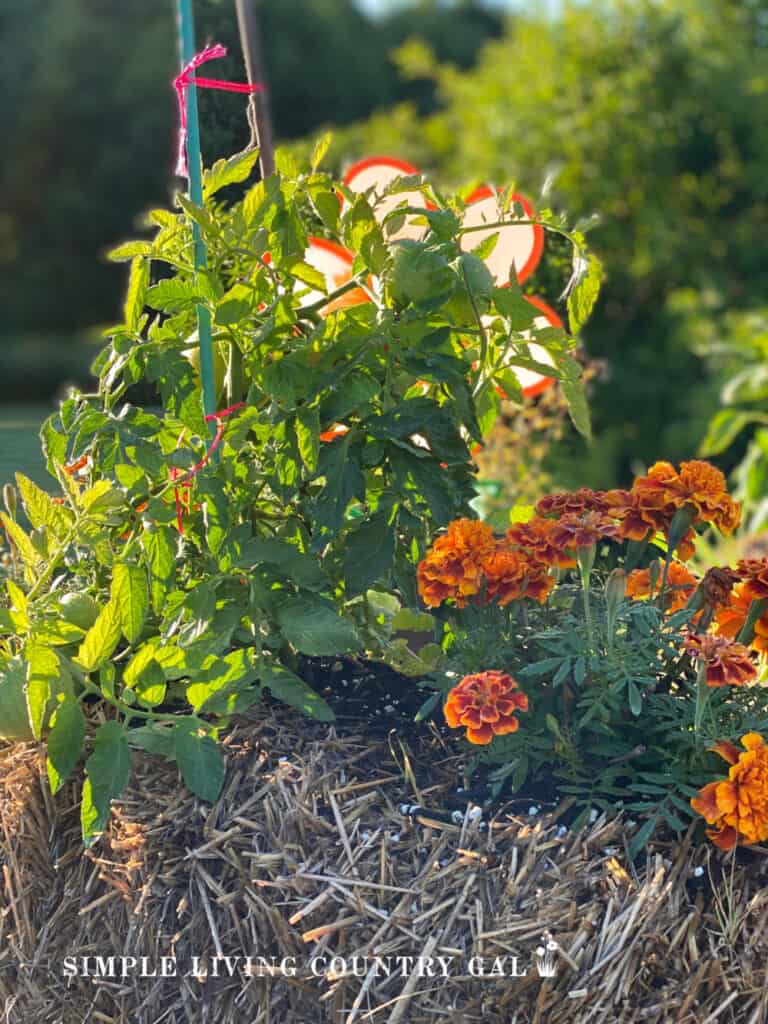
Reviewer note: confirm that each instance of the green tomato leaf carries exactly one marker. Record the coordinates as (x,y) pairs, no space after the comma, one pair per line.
(573,389)
(161,561)
(369,553)
(199,760)
(41,509)
(108,770)
(220,676)
(128,250)
(293,691)
(27,551)
(362,234)
(131,594)
(135,299)
(236,169)
(14,714)
(587,277)
(314,627)
(155,739)
(308,436)
(101,639)
(320,150)
(43,674)
(65,741)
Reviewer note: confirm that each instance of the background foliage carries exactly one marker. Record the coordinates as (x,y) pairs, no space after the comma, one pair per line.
(652,112)
(90,117)
(653,115)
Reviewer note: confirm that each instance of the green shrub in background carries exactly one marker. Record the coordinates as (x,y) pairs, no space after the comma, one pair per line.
(653,115)
(737,345)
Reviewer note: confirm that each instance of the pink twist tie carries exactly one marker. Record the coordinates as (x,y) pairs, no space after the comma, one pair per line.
(183,486)
(183,81)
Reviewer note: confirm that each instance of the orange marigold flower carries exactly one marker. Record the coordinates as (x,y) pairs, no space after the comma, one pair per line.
(654,499)
(571,502)
(509,575)
(535,537)
(571,531)
(640,511)
(754,572)
(738,806)
(698,484)
(485,704)
(705,487)
(681,583)
(730,620)
(453,566)
(726,663)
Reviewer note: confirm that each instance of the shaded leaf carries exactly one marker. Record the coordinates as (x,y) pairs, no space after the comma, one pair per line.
(108,769)
(199,760)
(65,741)
(314,627)
(292,690)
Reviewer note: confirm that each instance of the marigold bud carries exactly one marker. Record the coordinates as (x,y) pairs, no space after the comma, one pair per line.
(615,590)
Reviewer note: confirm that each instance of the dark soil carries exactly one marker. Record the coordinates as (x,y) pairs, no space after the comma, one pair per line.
(371,698)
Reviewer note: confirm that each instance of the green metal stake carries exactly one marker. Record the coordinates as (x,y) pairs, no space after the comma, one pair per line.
(195,163)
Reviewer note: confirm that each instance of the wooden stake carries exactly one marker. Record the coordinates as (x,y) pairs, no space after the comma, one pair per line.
(258,106)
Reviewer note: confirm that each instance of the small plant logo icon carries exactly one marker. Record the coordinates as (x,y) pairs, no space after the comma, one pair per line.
(545,958)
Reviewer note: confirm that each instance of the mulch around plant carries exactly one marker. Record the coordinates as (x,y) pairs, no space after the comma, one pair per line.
(323,845)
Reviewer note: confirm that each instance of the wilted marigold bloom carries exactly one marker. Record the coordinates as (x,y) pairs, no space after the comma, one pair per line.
(738,806)
(726,663)
(730,620)
(681,583)
(571,502)
(453,566)
(509,575)
(485,704)
(535,537)
(754,572)
(572,531)
(717,584)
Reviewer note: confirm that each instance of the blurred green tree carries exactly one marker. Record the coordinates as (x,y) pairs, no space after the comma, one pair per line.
(88,121)
(652,114)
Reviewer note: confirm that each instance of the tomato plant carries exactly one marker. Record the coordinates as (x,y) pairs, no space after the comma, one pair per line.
(200,577)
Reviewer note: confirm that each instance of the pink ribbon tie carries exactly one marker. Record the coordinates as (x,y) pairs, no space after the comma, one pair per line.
(183,487)
(183,81)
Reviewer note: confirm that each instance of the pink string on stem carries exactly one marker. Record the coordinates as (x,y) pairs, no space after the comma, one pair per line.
(185,484)
(186,78)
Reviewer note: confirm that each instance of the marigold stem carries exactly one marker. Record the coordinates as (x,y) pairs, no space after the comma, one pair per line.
(702,698)
(586,559)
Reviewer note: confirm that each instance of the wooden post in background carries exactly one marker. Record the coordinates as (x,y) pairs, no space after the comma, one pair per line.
(258,107)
